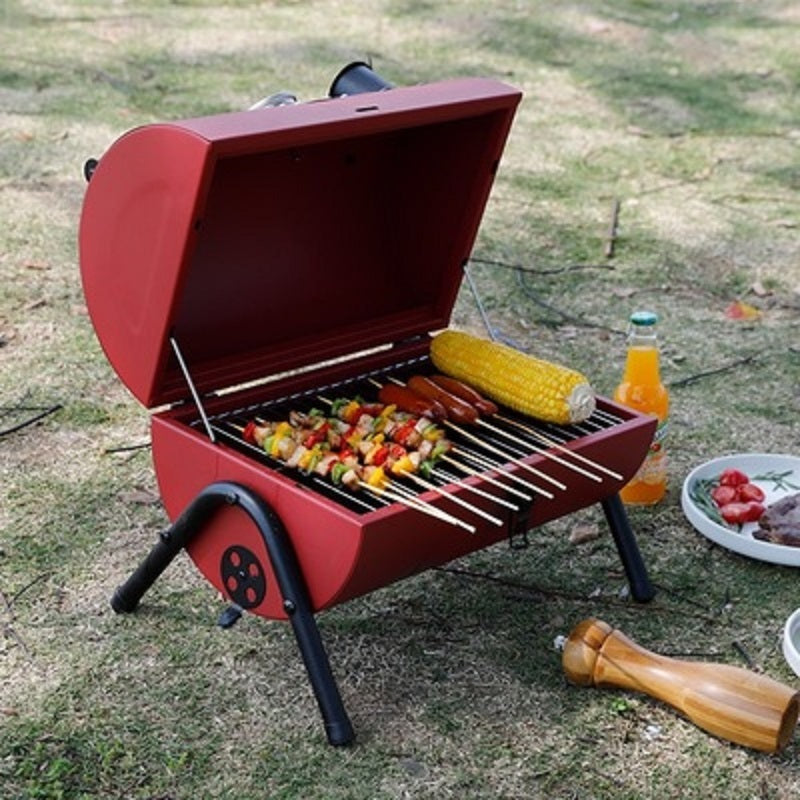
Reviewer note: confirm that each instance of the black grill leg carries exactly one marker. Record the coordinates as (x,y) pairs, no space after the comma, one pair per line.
(635,570)
(290,581)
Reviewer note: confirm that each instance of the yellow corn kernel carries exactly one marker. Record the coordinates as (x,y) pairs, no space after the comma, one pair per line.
(535,387)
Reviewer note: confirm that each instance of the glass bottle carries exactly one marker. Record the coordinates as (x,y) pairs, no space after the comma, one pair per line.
(642,390)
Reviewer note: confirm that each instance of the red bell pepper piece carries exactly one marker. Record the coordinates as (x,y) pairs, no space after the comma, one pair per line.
(248,434)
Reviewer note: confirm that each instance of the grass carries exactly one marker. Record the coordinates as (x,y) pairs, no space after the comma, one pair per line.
(686,113)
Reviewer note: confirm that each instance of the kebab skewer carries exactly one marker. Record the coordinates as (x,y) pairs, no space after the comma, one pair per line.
(424,439)
(359,449)
(413,430)
(372,479)
(467,414)
(415,433)
(462,405)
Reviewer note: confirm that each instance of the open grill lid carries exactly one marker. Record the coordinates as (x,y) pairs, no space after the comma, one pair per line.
(268,240)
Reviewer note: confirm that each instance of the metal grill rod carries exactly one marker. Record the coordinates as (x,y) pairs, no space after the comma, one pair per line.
(449,477)
(467,470)
(499,452)
(540,451)
(501,469)
(552,442)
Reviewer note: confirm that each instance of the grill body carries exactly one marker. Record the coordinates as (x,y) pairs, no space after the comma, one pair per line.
(344,553)
(247,264)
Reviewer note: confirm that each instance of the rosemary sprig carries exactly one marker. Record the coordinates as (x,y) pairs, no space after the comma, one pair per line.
(779,479)
(700,492)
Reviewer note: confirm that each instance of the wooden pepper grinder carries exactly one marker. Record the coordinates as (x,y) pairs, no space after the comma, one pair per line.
(729,702)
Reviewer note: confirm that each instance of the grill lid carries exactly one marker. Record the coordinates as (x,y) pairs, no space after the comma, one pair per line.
(268,240)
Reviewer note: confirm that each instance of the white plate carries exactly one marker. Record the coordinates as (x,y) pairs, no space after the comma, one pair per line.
(742,541)
(791,642)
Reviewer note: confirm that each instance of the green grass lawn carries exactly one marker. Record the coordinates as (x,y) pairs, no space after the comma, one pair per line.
(686,114)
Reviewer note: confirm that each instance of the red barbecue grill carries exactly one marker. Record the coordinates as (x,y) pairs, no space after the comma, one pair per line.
(256,264)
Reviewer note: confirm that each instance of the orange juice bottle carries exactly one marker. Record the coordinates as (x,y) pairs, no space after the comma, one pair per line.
(642,390)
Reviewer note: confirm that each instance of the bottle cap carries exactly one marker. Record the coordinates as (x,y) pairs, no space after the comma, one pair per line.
(645,318)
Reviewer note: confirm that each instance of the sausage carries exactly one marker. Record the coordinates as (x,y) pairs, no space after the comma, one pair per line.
(413,403)
(466,393)
(455,408)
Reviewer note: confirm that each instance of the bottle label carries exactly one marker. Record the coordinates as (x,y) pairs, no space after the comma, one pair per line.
(654,466)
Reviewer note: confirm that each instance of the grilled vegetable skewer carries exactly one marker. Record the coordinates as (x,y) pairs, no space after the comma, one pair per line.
(305,448)
(496,450)
(376,483)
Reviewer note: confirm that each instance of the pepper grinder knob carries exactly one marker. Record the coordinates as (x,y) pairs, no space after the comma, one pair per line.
(729,702)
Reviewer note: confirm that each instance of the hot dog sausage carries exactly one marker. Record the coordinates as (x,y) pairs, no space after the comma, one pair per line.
(455,408)
(466,393)
(413,403)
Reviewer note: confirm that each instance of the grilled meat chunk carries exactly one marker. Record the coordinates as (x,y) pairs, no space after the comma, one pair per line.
(780,523)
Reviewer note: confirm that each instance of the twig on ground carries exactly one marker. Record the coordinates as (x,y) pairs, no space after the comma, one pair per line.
(739,648)
(689,379)
(560,594)
(533,271)
(680,596)
(8,604)
(43,411)
(126,448)
(611,237)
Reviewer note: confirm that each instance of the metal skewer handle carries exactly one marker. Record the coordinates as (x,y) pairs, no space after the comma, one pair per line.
(729,702)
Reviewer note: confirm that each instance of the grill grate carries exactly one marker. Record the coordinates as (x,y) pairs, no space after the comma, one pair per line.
(489,450)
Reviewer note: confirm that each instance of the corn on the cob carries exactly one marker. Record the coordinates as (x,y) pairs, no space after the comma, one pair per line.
(535,387)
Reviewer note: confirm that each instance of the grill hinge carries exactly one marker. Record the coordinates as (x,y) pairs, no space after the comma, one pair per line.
(190,383)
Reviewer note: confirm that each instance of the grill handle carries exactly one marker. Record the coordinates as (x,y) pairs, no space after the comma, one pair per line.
(288,575)
(356,78)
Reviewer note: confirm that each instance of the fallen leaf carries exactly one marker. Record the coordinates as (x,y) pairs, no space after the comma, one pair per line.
(34,304)
(140,497)
(742,311)
(584,532)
